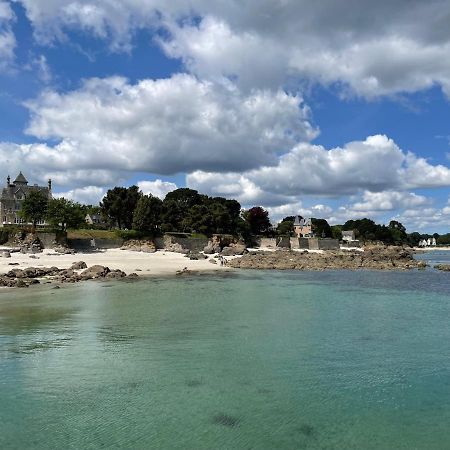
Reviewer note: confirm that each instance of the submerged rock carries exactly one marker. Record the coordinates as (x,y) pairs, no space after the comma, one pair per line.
(226,420)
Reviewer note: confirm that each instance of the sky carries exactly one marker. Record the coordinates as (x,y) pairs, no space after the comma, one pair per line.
(337,109)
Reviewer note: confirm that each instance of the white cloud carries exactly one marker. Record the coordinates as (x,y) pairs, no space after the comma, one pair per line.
(401,48)
(375,48)
(88,195)
(7,38)
(389,201)
(157,188)
(39,162)
(426,220)
(40,64)
(167,126)
(376,164)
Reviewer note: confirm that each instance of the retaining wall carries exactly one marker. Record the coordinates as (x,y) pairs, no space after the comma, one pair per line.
(86,244)
(48,239)
(319,244)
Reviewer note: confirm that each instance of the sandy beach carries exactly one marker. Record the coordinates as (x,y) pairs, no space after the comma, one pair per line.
(144,264)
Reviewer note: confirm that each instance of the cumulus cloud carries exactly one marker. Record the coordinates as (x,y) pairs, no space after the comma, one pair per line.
(157,188)
(39,162)
(376,164)
(389,201)
(88,195)
(168,125)
(375,48)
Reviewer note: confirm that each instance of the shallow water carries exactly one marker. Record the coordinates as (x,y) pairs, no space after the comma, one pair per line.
(254,360)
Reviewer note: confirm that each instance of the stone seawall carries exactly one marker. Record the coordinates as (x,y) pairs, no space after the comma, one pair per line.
(92,244)
(319,244)
(168,241)
(48,240)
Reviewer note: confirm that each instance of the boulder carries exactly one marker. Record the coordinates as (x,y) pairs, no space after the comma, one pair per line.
(136,245)
(96,271)
(148,247)
(193,256)
(20,283)
(211,248)
(234,250)
(78,265)
(6,254)
(443,267)
(15,273)
(115,274)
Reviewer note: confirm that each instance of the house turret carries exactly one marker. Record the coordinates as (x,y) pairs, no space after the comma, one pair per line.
(12,197)
(20,180)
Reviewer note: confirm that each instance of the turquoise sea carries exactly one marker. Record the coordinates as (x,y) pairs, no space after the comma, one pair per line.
(246,360)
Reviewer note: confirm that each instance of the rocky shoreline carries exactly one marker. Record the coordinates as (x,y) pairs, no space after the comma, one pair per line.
(389,258)
(77,272)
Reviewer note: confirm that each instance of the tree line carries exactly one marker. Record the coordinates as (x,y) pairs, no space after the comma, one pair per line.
(186,210)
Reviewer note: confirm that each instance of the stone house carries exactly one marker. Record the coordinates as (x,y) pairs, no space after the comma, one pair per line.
(94,219)
(303,227)
(12,197)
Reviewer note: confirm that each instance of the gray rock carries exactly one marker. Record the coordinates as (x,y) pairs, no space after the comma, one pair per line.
(96,271)
(211,248)
(115,274)
(78,265)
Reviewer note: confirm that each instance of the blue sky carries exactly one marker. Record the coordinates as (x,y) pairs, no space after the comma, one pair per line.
(287,105)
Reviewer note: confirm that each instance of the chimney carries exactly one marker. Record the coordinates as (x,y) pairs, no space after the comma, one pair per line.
(8,180)
(49,184)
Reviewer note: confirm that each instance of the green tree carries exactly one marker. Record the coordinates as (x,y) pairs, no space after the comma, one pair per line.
(443,239)
(286,226)
(147,214)
(258,220)
(321,228)
(119,204)
(34,207)
(224,214)
(176,205)
(65,213)
(198,219)
(398,232)
(336,232)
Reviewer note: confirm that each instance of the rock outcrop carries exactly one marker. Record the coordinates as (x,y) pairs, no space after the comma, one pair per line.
(234,249)
(31,275)
(136,245)
(78,265)
(389,258)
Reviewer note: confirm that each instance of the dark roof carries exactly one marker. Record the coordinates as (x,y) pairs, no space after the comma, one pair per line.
(10,192)
(20,179)
(301,222)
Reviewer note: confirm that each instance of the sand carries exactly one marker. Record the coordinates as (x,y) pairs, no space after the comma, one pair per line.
(144,264)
